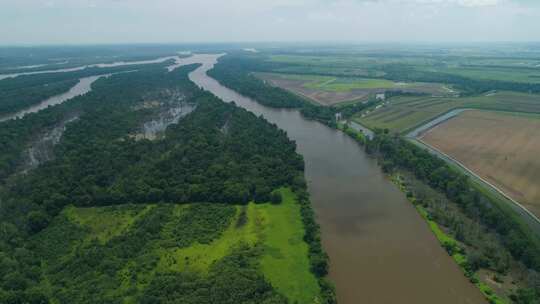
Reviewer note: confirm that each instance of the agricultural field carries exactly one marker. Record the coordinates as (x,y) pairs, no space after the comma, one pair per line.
(500,147)
(413,65)
(150,241)
(400,114)
(327,90)
(513,73)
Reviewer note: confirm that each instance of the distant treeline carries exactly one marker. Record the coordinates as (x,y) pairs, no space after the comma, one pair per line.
(468,86)
(26,90)
(394,71)
(235,72)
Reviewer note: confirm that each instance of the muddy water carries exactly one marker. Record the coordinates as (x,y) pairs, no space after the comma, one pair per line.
(381,250)
(82,87)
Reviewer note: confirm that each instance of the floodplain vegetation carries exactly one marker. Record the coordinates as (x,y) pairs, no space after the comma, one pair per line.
(23,91)
(214,211)
(496,249)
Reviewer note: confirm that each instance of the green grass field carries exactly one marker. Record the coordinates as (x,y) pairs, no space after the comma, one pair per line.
(403,113)
(479,66)
(274,231)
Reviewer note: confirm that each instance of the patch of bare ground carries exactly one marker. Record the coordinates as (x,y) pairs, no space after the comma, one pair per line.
(297,86)
(502,148)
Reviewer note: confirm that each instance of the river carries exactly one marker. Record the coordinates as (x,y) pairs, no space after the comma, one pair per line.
(82,87)
(97,65)
(381,250)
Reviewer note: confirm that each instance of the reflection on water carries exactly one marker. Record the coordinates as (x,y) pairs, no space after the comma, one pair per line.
(381,250)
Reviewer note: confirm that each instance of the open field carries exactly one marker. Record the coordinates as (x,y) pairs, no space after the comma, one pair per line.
(369,64)
(404,113)
(502,148)
(193,238)
(327,90)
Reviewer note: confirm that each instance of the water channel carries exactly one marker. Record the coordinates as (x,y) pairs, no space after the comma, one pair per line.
(381,250)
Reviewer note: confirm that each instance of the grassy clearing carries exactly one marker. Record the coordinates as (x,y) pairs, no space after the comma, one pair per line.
(274,231)
(338,84)
(285,260)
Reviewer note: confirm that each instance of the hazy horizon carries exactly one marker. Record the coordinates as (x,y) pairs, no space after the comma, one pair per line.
(35,22)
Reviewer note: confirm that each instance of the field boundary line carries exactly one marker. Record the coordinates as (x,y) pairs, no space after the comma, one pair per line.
(469,171)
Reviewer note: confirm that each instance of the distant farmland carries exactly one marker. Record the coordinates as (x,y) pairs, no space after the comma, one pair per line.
(328,90)
(403,113)
(502,148)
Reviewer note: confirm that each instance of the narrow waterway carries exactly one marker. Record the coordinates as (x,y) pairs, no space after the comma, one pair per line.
(97,65)
(381,250)
(82,87)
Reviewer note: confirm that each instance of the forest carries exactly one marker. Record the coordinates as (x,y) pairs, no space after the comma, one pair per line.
(234,71)
(86,226)
(26,90)
(489,238)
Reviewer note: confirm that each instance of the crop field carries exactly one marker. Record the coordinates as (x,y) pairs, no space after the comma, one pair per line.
(192,239)
(502,148)
(404,113)
(327,90)
(503,73)
(369,64)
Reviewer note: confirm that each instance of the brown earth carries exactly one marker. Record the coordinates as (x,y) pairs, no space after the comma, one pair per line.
(321,97)
(502,148)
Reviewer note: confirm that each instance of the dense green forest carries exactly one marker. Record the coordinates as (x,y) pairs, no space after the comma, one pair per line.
(491,238)
(23,91)
(489,247)
(15,135)
(113,218)
(234,71)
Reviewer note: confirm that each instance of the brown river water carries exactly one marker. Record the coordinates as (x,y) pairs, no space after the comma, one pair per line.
(381,250)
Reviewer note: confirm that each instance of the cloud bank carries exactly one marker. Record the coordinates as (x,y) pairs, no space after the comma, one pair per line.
(124,21)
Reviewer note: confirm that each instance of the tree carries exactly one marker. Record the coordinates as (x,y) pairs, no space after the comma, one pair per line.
(37,220)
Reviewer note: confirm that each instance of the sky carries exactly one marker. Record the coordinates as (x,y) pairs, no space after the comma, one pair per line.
(32,22)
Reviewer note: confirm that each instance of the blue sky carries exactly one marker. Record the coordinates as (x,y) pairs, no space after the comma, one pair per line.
(126,21)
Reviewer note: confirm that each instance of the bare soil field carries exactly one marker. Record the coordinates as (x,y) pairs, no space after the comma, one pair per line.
(502,148)
(327,90)
(326,98)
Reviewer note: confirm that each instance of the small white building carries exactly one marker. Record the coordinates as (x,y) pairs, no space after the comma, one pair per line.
(338,116)
(380,96)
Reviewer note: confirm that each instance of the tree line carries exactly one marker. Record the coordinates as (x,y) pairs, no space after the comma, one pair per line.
(218,154)
(396,153)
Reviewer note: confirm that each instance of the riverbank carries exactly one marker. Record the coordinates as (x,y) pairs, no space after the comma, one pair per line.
(373,236)
(468,252)
(449,243)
